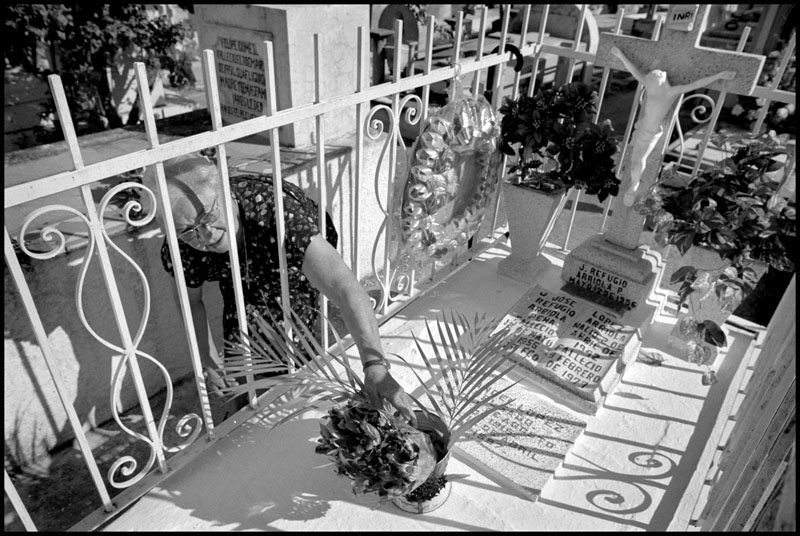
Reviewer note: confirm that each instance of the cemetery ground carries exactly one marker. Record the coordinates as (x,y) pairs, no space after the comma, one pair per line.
(58,490)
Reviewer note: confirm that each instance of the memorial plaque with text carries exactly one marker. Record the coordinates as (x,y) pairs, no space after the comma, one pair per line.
(522,443)
(239,57)
(576,347)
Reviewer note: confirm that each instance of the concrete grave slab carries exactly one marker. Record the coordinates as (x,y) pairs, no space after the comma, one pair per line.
(522,443)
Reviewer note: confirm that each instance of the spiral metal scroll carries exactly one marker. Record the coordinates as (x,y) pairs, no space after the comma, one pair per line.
(185,428)
(695,116)
(374,128)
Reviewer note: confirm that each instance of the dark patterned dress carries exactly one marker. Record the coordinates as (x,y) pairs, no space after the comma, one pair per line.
(258,255)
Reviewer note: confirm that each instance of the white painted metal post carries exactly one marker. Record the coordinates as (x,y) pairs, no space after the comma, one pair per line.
(321,176)
(215,110)
(172,242)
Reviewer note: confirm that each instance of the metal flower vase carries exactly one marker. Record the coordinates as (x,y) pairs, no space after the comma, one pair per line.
(437,430)
(531,215)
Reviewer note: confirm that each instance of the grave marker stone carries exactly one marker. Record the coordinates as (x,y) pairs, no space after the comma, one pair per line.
(523,442)
(575,349)
(617,255)
(236,32)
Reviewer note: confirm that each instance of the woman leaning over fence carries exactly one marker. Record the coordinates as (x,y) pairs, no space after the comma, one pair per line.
(313,263)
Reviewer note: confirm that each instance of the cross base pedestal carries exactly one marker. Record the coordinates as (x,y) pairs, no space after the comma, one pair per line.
(613,273)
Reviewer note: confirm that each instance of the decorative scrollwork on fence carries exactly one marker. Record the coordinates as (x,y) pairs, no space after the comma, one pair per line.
(374,128)
(134,214)
(695,114)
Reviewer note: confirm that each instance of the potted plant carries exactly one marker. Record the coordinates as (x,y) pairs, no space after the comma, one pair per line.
(556,146)
(734,211)
(376,450)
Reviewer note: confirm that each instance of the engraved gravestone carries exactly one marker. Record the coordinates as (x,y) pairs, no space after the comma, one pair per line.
(523,442)
(575,349)
(236,33)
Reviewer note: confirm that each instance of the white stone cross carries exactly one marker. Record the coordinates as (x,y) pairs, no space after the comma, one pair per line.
(687,66)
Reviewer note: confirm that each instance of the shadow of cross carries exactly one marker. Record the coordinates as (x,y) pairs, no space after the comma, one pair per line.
(676,52)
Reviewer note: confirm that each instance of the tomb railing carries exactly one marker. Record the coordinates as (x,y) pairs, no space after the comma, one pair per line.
(110,268)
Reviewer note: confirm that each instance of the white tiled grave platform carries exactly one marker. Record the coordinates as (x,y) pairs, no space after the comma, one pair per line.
(637,465)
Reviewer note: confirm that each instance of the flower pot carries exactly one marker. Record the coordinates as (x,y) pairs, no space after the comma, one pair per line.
(531,214)
(440,436)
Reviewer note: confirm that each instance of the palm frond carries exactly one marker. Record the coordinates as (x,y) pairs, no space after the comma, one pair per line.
(464,359)
(461,394)
(433,374)
(290,349)
(425,391)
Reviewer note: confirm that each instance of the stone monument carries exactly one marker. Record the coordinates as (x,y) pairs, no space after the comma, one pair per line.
(614,265)
(236,33)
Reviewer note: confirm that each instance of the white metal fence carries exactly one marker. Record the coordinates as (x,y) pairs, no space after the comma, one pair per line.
(127,478)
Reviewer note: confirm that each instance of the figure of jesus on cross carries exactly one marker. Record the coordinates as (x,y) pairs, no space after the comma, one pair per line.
(665,68)
(659,96)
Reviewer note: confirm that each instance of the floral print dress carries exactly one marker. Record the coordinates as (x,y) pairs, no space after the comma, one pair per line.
(258,255)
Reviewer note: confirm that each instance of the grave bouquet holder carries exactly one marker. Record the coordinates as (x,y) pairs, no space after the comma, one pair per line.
(453,172)
(374,447)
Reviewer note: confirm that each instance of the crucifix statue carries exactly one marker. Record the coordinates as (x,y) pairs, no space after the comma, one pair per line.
(614,264)
(666,68)
(659,96)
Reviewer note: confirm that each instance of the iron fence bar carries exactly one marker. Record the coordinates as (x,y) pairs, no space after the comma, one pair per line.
(476,81)
(215,110)
(180,281)
(362,82)
(495,101)
(321,177)
(787,55)
(601,94)
(712,120)
(16,502)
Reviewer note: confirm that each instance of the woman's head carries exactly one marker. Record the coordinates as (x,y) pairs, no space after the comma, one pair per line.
(195,194)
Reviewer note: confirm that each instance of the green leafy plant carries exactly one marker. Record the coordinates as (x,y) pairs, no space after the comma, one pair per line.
(733,208)
(371,446)
(84,40)
(556,142)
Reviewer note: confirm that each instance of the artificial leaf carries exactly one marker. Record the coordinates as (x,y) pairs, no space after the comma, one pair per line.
(650,357)
(713,334)
(709,377)
(682,274)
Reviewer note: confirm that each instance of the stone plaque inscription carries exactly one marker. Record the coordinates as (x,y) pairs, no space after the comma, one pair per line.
(569,342)
(523,442)
(241,75)
(602,283)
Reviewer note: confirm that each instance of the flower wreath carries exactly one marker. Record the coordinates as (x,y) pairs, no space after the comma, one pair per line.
(454,172)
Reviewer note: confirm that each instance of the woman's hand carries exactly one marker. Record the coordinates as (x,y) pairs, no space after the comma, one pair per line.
(379,385)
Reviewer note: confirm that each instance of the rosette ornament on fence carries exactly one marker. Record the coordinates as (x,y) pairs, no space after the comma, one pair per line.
(53,239)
